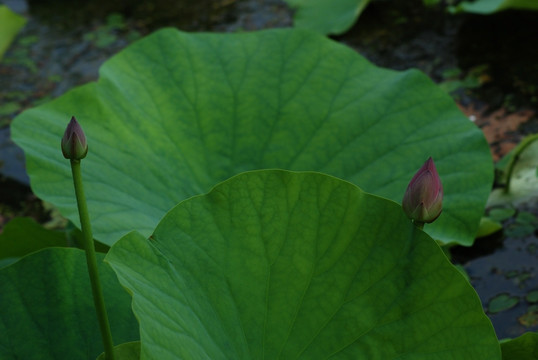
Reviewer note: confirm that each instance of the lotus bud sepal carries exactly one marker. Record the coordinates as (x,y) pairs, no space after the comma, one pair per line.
(423,199)
(74,144)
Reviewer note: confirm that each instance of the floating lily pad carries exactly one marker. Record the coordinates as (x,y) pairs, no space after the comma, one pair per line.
(519,230)
(501,214)
(532,296)
(502,302)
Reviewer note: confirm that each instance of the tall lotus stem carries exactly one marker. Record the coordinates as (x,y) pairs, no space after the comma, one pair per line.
(75,148)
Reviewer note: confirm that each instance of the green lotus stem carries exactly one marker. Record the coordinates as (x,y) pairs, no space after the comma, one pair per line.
(87,236)
(517,152)
(418,224)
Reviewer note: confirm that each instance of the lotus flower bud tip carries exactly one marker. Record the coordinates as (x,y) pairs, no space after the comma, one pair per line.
(423,198)
(74,144)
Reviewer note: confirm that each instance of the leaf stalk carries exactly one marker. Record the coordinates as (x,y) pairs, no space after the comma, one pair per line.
(91,261)
(516,153)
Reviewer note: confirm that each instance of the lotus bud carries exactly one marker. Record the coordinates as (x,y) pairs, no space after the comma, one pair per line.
(423,198)
(74,144)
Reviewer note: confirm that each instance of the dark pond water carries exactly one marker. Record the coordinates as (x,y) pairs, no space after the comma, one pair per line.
(494,58)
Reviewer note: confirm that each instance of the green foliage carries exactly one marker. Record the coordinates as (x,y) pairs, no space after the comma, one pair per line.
(280,265)
(176,113)
(22,236)
(524,347)
(488,227)
(48,310)
(502,302)
(532,296)
(335,17)
(108,33)
(525,224)
(127,351)
(491,6)
(501,214)
(518,169)
(10,24)
(453,79)
(269,264)
(326,16)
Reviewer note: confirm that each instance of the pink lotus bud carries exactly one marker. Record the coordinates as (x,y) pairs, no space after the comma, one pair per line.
(74,145)
(423,199)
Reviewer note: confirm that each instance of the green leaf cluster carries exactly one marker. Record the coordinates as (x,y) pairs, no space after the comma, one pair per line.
(176,114)
(10,25)
(225,259)
(284,265)
(335,17)
(48,310)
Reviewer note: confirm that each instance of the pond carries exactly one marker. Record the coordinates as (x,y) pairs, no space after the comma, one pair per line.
(490,72)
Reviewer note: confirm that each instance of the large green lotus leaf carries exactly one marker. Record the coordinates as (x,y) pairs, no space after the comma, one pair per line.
(10,25)
(47,307)
(22,236)
(127,351)
(176,113)
(274,264)
(524,347)
(491,6)
(326,16)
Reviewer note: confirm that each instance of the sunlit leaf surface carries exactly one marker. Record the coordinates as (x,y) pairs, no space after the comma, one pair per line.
(281,265)
(174,114)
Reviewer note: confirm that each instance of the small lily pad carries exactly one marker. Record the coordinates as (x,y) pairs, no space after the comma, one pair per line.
(519,230)
(501,214)
(532,296)
(9,108)
(526,218)
(502,302)
(529,319)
